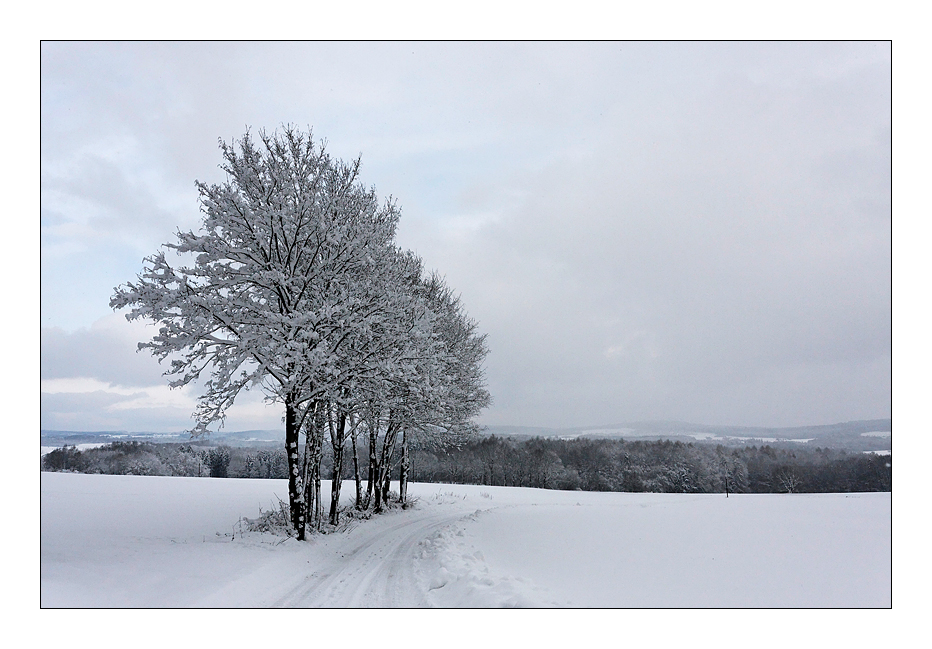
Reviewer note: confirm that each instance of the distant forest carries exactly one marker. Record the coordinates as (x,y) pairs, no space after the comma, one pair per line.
(579,464)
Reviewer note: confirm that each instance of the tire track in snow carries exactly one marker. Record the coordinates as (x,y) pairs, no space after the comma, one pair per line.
(378,570)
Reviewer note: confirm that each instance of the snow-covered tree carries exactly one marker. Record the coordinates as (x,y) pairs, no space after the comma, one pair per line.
(276,283)
(294,285)
(437,403)
(424,377)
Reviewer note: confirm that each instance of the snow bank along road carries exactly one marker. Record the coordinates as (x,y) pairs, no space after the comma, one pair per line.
(130,541)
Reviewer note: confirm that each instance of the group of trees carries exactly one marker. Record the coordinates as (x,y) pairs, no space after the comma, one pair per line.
(294,285)
(652,466)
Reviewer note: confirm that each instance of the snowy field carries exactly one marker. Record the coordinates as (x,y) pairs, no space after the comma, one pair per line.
(129,541)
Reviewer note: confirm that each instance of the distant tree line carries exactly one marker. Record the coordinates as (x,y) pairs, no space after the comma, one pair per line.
(581,464)
(652,466)
(191,460)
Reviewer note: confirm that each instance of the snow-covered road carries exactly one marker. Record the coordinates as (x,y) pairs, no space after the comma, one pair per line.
(416,558)
(366,569)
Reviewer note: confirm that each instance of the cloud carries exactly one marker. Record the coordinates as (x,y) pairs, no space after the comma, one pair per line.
(92,379)
(106,352)
(645,230)
(117,397)
(114,408)
(748,247)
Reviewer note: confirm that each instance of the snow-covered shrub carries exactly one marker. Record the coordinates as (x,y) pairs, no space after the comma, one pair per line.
(274,521)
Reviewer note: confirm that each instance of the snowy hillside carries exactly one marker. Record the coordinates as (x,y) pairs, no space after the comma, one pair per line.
(130,541)
(865,435)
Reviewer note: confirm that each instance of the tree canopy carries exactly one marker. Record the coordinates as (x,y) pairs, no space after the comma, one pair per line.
(294,284)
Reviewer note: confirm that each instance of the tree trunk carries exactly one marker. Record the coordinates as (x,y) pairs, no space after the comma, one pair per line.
(312,488)
(403,473)
(373,477)
(319,506)
(295,478)
(312,455)
(388,483)
(309,471)
(383,476)
(336,482)
(356,474)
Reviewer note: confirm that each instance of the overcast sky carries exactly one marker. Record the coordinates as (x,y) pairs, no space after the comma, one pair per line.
(694,231)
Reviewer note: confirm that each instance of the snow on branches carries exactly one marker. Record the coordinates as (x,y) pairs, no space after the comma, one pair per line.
(294,284)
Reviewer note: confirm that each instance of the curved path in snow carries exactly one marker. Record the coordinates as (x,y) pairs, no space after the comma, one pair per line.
(371,567)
